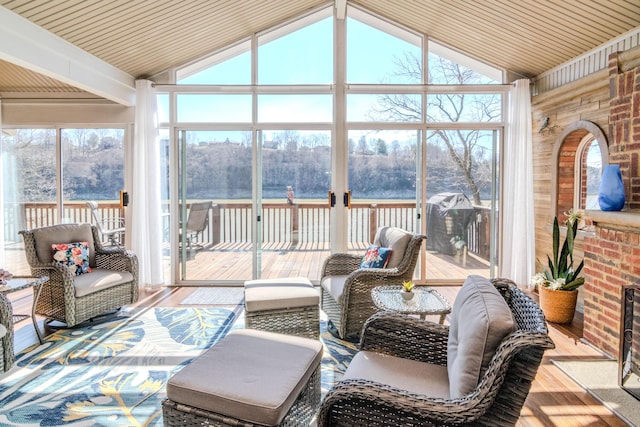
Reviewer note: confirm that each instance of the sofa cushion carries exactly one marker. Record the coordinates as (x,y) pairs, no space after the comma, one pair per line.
(334,285)
(74,256)
(250,375)
(100,279)
(375,257)
(405,374)
(480,320)
(395,238)
(63,233)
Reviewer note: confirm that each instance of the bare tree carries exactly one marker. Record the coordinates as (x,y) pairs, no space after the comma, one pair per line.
(463,146)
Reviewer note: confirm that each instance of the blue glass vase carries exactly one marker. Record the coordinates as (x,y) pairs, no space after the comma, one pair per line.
(611,191)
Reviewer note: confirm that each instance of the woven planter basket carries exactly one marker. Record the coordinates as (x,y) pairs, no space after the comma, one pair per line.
(558,306)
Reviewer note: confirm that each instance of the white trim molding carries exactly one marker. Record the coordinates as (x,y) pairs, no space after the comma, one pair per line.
(26,44)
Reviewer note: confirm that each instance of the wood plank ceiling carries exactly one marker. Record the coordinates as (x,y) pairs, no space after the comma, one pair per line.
(144,37)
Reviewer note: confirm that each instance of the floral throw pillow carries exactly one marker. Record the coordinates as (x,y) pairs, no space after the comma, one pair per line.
(375,257)
(72,255)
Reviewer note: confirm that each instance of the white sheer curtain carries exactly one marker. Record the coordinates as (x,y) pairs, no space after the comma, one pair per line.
(518,229)
(1,192)
(145,198)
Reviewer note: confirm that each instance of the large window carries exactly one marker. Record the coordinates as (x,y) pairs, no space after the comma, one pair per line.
(328,109)
(297,56)
(381,53)
(50,174)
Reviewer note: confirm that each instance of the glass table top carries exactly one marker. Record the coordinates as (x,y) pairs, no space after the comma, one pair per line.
(425,301)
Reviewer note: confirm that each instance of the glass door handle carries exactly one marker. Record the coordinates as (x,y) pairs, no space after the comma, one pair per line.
(331,199)
(346,199)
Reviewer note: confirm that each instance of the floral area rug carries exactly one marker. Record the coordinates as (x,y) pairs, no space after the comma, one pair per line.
(115,373)
(108,374)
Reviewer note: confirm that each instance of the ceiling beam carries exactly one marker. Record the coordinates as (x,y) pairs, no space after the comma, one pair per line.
(25,44)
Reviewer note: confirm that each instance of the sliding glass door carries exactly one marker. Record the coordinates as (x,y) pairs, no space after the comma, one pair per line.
(215,208)
(294,221)
(384,181)
(461,203)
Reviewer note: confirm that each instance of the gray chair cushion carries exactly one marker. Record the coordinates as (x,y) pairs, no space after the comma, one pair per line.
(64,233)
(404,374)
(334,285)
(99,279)
(480,320)
(395,238)
(250,375)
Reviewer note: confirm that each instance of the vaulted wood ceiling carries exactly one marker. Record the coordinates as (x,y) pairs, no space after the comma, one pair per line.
(144,37)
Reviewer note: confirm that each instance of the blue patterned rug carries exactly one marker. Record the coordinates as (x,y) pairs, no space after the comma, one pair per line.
(114,373)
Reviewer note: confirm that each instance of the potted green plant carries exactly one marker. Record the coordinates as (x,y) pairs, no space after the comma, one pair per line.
(407,290)
(558,284)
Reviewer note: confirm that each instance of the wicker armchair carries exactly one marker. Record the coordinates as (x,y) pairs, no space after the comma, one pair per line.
(72,299)
(6,340)
(346,288)
(496,400)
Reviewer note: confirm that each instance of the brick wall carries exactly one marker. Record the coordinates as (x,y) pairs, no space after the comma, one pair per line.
(612,255)
(611,259)
(624,126)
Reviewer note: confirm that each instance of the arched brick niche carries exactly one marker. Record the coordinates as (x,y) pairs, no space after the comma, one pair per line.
(570,166)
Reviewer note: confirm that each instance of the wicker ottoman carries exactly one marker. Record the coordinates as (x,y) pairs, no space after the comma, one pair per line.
(288,306)
(248,378)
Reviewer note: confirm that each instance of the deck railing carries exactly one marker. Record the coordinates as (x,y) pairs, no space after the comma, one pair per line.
(281,224)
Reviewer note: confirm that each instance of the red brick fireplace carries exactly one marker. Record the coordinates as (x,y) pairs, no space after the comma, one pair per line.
(612,254)
(611,260)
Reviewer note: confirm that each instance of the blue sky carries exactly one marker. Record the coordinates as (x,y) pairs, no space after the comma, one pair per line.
(304,56)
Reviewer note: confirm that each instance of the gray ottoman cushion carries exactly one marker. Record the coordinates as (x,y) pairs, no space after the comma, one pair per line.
(276,294)
(250,375)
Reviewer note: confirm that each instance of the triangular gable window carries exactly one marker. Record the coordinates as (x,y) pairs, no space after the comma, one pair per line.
(447,65)
(231,66)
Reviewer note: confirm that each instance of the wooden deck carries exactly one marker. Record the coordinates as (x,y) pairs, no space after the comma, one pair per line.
(554,400)
(233,263)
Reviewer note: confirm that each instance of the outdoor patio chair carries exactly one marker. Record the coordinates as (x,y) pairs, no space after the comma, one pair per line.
(197,221)
(111,229)
(413,372)
(346,288)
(6,334)
(109,280)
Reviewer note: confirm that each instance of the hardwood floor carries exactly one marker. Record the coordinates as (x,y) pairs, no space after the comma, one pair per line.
(554,399)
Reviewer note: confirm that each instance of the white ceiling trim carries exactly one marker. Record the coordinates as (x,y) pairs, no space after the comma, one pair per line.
(341,9)
(28,45)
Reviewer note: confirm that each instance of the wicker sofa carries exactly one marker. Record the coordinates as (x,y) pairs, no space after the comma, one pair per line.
(412,372)
(72,299)
(6,334)
(346,288)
